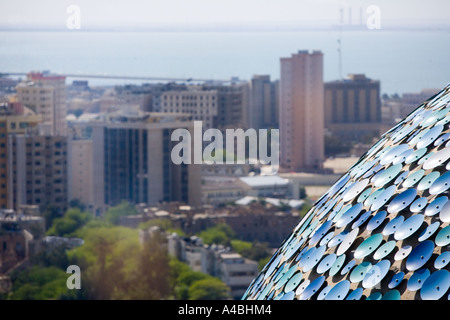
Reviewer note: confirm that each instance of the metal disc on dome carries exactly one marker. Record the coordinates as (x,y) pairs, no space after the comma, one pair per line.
(384,250)
(437,159)
(429,231)
(442,260)
(280,272)
(400,178)
(312,226)
(430,136)
(364,195)
(444,214)
(337,239)
(375,296)
(436,206)
(338,185)
(360,271)
(288,296)
(442,139)
(339,291)
(436,285)
(337,265)
(418,204)
(417,279)
(409,227)
(293,282)
(355,190)
(272,267)
(312,288)
(300,254)
(348,267)
(441,184)
(285,278)
(301,226)
(322,294)
(376,274)
(314,258)
(326,208)
(320,232)
(391,295)
(418,137)
(385,176)
(335,210)
(416,155)
(355,294)
(326,238)
(303,285)
(361,219)
(428,180)
(393,154)
(377,220)
(341,213)
(393,225)
(413,178)
(396,279)
(402,200)
(425,158)
(372,171)
(373,197)
(383,198)
(419,255)
(347,241)
(443,237)
(326,263)
(306,256)
(350,215)
(402,253)
(368,246)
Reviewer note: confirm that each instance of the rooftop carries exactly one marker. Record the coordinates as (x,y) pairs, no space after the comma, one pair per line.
(262,181)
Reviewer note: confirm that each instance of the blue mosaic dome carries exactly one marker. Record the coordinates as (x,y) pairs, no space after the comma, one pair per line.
(382,230)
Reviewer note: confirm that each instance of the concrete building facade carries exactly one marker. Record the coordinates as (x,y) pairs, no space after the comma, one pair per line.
(45,94)
(263,105)
(353,108)
(132,162)
(37,171)
(11,124)
(302,112)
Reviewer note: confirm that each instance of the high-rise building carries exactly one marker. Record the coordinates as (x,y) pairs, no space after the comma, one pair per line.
(232,105)
(353,108)
(11,124)
(37,171)
(218,106)
(302,112)
(80,171)
(263,104)
(45,94)
(132,162)
(194,101)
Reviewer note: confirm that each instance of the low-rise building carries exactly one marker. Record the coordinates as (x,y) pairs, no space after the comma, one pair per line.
(234,270)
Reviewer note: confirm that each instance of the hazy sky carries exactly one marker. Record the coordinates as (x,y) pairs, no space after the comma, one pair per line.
(206,13)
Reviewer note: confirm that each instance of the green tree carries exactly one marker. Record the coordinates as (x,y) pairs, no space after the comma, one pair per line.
(208,289)
(38,283)
(106,258)
(69,223)
(150,278)
(219,234)
(123,209)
